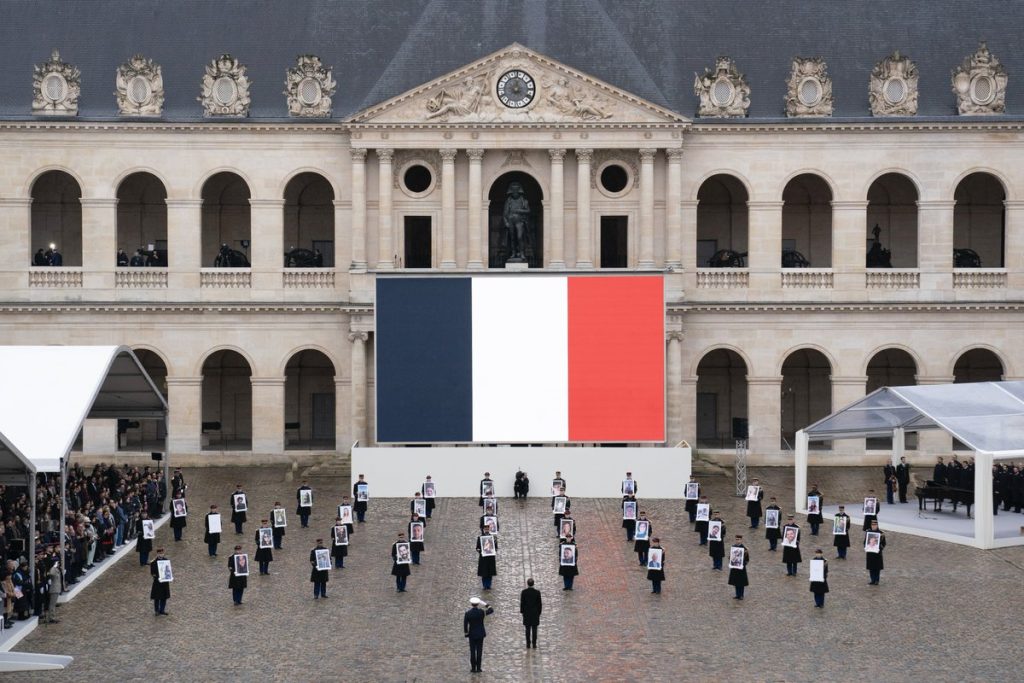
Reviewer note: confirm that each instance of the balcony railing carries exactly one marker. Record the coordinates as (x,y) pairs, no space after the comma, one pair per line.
(893,278)
(308,278)
(979,278)
(59,277)
(225,278)
(807,278)
(723,278)
(140,278)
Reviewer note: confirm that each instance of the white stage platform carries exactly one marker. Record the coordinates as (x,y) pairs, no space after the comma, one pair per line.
(589,472)
(944,526)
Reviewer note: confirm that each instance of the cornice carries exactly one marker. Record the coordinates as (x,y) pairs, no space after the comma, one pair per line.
(843,307)
(977,124)
(117,308)
(232,126)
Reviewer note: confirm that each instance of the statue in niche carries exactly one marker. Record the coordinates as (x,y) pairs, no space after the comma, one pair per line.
(516,216)
(878,256)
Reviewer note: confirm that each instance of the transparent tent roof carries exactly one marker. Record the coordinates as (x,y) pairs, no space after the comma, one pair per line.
(986,416)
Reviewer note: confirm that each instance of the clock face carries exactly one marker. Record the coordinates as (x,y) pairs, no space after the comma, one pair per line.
(516,89)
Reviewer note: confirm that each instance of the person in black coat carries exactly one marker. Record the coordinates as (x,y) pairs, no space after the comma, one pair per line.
(486,567)
(417,496)
(143,546)
(815,519)
(213,539)
(530,606)
(521,487)
(641,546)
(237,583)
(264,556)
(772,533)
(875,564)
(278,530)
(338,552)
(319,577)
(628,524)
(791,554)
(691,503)
(558,515)
(903,478)
(656,574)
(842,541)
(939,473)
(473,628)
(568,572)
(237,516)
(178,523)
(819,588)
(416,546)
(754,506)
(716,548)
(303,511)
(485,481)
(361,505)
(160,593)
(430,500)
(878,507)
(399,571)
(738,577)
(701,526)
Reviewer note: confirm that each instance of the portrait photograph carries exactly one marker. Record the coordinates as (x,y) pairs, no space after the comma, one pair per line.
(362,492)
(345,512)
(416,531)
(839,526)
(266,538)
(556,488)
(147,529)
(419,506)
(654,558)
(872,542)
(817,569)
(752,492)
(429,490)
(692,491)
(487,489)
(487,547)
(241,565)
(178,505)
(870,506)
(643,530)
(714,531)
(628,487)
(567,528)
(305,498)
(491,524)
(214,522)
(771,519)
(323,559)
(703,512)
(490,506)
(240,503)
(790,536)
(403,553)
(280,518)
(164,573)
(813,505)
(341,535)
(559,508)
(629,509)
(736,558)
(567,553)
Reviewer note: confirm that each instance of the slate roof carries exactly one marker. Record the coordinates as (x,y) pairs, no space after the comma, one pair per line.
(380,48)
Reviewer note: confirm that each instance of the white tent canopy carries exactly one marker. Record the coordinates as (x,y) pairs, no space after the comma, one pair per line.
(986,416)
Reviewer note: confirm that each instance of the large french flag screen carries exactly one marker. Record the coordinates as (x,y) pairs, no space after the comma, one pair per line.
(520,359)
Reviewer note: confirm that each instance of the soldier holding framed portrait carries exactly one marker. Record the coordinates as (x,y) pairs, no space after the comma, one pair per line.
(772,513)
(559,504)
(212,526)
(320,569)
(627,523)
(238,574)
(819,578)
(264,544)
(361,493)
(814,518)
(487,559)
(401,558)
(279,519)
(874,544)
(429,491)
(691,492)
(304,503)
(739,558)
(716,541)
(755,494)
(841,532)
(644,531)
(568,558)
(703,516)
(871,509)
(416,537)
(160,592)
(791,546)
(656,565)
(239,506)
(144,542)
(339,543)
(179,513)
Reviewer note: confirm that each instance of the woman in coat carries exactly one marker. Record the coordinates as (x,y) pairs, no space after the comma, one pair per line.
(486,567)
(738,577)
(143,546)
(819,588)
(264,556)
(569,572)
(656,576)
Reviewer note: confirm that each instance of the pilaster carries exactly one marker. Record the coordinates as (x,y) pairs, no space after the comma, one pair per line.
(267,414)
(358,157)
(1014,250)
(673,377)
(935,246)
(358,403)
(385,229)
(267,244)
(185,403)
(99,242)
(646,260)
(448,208)
(584,250)
(849,236)
(764,245)
(15,242)
(475,206)
(673,210)
(557,260)
(764,400)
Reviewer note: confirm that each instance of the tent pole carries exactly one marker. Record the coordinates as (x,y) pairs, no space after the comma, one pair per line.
(63,515)
(167,465)
(800,472)
(984,524)
(32,536)
(899,445)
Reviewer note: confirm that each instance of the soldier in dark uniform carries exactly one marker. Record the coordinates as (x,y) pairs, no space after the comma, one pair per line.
(754,506)
(237,583)
(143,546)
(213,539)
(237,516)
(701,526)
(361,505)
(486,480)
(278,530)
(416,546)
(791,555)
(716,548)
(874,561)
(772,533)
(842,541)
(691,503)
(815,519)
(319,577)
(338,552)
(628,524)
(738,577)
(656,574)
(303,512)
(178,523)
(399,571)
(903,478)
(486,567)
(264,556)
(569,572)
(641,546)
(160,593)
(819,588)
(430,501)
(878,506)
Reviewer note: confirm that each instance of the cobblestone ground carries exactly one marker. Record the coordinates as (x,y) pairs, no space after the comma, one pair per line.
(942,611)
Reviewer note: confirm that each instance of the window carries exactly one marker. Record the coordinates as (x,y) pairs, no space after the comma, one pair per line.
(417,242)
(417,179)
(614,241)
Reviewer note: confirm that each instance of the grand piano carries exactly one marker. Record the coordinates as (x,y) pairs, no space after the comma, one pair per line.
(938,493)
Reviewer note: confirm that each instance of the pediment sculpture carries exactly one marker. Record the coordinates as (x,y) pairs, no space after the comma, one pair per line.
(723,92)
(56,87)
(893,87)
(309,87)
(225,89)
(140,87)
(809,91)
(980,84)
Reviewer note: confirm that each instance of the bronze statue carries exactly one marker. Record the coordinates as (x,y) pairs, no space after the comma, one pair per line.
(516,217)
(878,256)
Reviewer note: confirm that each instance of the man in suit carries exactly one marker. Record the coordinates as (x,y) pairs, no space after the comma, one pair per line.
(530,607)
(473,627)
(939,473)
(903,478)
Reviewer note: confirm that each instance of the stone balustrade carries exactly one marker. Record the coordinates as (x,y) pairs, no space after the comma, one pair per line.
(807,278)
(308,278)
(723,278)
(893,278)
(59,277)
(979,278)
(225,278)
(140,278)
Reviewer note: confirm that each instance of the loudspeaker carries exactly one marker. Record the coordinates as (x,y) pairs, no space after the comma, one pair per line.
(157,456)
(740,428)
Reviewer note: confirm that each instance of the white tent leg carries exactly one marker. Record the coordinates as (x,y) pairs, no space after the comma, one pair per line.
(800,472)
(984,525)
(899,445)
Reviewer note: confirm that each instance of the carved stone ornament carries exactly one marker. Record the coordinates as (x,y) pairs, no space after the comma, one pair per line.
(893,87)
(575,102)
(140,87)
(980,84)
(56,86)
(225,88)
(467,100)
(724,92)
(309,88)
(809,88)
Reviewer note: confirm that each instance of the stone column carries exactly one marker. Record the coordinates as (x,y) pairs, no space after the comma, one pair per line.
(764,399)
(935,246)
(358,402)
(846,390)
(358,209)
(673,211)
(184,244)
(557,260)
(267,244)
(475,222)
(673,372)
(688,410)
(764,244)
(16,250)
(99,241)
(584,251)
(849,237)
(185,400)
(385,231)
(448,208)
(267,415)
(688,242)
(1014,237)
(646,260)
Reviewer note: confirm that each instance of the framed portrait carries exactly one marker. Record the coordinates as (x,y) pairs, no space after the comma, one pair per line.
(429,490)
(148,531)
(345,512)
(280,518)
(870,506)
(736,557)
(362,492)
(487,489)
(692,491)
(703,512)
(872,542)
(556,488)
(404,554)
(813,505)
(714,530)
(241,565)
(490,506)
(628,487)
(817,569)
(839,525)
(213,521)
(790,536)
(643,530)
(241,505)
(179,508)
(416,531)
(266,538)
(323,559)
(559,508)
(629,509)
(340,535)
(305,498)
(753,492)
(567,555)
(655,558)
(164,573)
(771,519)
(567,528)
(419,506)
(491,524)
(487,547)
